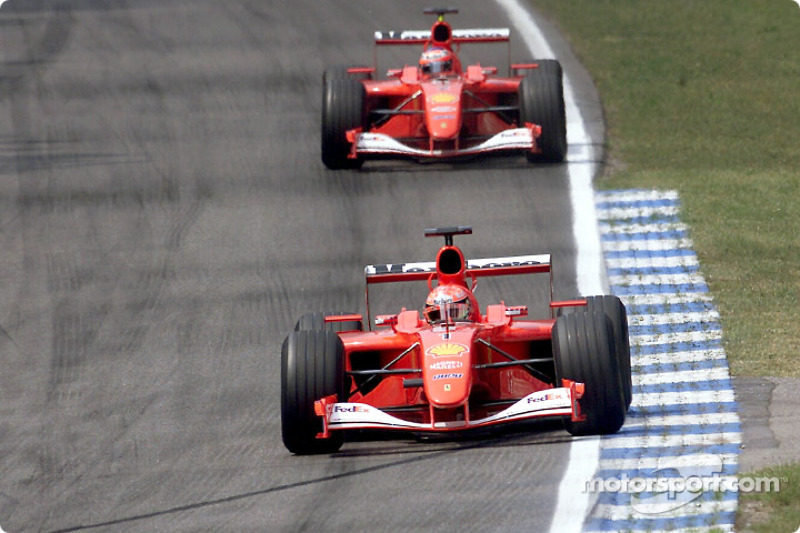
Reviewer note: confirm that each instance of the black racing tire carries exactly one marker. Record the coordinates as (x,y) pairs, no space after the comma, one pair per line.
(584,351)
(316,321)
(311,368)
(343,109)
(616,313)
(541,101)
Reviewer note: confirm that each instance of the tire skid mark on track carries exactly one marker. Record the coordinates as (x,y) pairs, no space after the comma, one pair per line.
(681,426)
(338,476)
(82,290)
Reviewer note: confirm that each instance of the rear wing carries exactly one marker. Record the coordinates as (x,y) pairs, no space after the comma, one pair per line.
(496,266)
(476,35)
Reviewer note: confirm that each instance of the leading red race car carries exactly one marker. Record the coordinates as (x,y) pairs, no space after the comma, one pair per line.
(440,109)
(453,368)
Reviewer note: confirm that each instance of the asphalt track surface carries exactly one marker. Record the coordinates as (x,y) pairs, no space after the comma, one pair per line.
(164,220)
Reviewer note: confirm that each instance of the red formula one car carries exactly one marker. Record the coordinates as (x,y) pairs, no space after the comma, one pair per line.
(453,368)
(440,109)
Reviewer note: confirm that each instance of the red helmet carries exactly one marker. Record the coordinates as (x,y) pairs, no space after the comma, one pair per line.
(437,60)
(449,303)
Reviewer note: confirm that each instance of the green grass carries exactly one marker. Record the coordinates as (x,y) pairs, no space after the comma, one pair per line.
(771,512)
(703,96)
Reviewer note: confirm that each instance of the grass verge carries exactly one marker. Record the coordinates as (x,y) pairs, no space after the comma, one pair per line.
(770,512)
(701,96)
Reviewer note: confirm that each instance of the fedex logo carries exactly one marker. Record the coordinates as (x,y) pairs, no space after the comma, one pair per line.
(338,408)
(546,397)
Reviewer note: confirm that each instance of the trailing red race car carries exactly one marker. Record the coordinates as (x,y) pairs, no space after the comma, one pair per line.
(440,109)
(453,368)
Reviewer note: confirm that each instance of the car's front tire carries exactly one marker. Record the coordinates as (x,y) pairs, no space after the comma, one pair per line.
(541,101)
(616,313)
(343,109)
(311,369)
(584,351)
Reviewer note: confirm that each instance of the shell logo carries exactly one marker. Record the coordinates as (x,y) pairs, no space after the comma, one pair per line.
(443,98)
(452,349)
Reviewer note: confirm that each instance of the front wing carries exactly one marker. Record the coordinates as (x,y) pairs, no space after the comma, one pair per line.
(561,401)
(380,143)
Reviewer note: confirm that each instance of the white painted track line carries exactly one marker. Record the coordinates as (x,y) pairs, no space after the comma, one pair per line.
(572,502)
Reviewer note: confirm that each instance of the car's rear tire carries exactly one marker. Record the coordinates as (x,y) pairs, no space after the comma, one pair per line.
(343,109)
(316,321)
(311,369)
(584,351)
(541,101)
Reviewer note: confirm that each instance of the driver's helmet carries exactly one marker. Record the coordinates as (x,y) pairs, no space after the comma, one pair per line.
(436,61)
(448,303)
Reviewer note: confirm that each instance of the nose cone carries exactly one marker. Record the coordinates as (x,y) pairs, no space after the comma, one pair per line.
(446,369)
(443,127)
(443,109)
